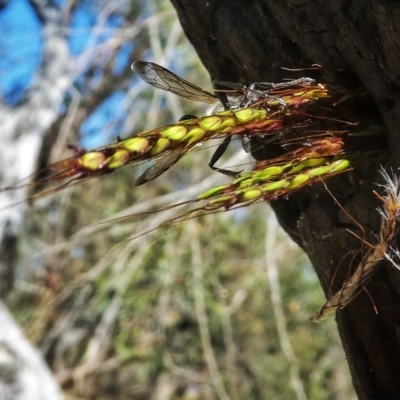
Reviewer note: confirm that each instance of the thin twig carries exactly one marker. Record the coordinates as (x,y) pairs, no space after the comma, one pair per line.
(367,266)
(272,255)
(201,313)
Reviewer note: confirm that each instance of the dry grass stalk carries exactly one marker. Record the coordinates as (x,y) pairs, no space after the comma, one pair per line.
(364,271)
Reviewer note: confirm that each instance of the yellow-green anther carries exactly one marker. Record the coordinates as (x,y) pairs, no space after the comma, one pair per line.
(252,194)
(320,94)
(313,162)
(282,184)
(287,166)
(189,122)
(340,165)
(326,169)
(299,180)
(213,192)
(273,102)
(223,200)
(226,113)
(195,135)
(244,182)
(92,160)
(161,145)
(136,144)
(118,159)
(336,166)
(226,130)
(297,168)
(243,178)
(268,172)
(249,114)
(174,132)
(298,94)
(211,123)
(227,124)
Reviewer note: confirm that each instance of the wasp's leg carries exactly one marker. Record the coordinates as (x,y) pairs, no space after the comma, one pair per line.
(218,154)
(270,85)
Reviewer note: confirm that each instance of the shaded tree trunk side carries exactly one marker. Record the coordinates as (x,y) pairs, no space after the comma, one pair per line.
(357,44)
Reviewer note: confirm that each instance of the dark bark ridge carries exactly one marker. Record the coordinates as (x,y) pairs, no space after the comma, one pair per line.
(357,44)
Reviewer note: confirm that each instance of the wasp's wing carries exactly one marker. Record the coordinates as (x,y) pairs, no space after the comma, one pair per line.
(161,78)
(160,167)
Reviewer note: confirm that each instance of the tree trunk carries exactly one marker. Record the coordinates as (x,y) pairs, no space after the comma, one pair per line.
(357,44)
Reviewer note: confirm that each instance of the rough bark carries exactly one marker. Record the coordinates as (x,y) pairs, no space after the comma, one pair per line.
(357,43)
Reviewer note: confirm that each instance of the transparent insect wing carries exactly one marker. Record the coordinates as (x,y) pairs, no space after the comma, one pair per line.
(160,167)
(161,78)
